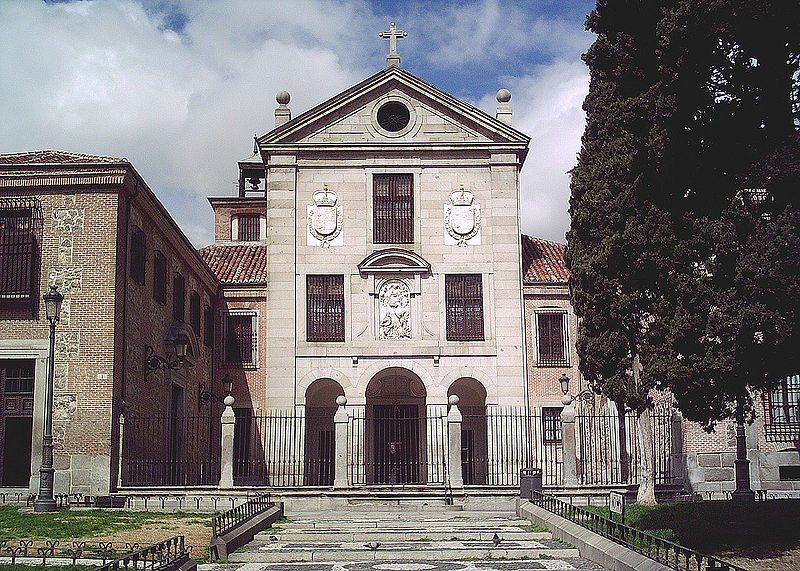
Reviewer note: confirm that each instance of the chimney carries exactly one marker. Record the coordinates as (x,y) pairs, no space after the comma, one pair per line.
(282,114)
(503,108)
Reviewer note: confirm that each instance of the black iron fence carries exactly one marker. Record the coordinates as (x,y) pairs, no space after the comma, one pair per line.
(164,555)
(498,442)
(171,451)
(238,515)
(395,445)
(661,550)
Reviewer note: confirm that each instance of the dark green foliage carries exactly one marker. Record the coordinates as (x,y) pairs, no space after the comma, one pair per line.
(693,105)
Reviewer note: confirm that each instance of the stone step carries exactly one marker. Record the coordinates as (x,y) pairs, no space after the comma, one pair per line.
(371,523)
(397,551)
(384,535)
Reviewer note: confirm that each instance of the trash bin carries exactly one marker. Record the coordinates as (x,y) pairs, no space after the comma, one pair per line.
(530,480)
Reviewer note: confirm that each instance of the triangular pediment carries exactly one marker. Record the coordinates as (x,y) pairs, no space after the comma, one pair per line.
(394,261)
(435,117)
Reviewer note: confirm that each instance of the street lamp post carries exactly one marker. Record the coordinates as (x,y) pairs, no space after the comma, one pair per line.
(44,500)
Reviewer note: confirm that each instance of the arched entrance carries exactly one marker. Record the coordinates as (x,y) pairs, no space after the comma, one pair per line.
(395,429)
(474,442)
(319,433)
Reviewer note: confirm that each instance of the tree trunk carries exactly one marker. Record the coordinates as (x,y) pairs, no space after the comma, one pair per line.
(644,445)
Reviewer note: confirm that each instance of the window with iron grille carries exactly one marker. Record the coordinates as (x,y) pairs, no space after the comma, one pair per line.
(138,254)
(325,308)
(178,298)
(464,302)
(194,311)
(393,209)
(551,339)
(240,338)
(20,235)
(249,227)
(159,277)
(208,333)
(784,402)
(551,423)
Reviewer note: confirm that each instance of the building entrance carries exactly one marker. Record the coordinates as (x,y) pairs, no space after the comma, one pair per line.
(16,420)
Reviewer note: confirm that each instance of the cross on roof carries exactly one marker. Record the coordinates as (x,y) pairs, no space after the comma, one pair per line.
(392,58)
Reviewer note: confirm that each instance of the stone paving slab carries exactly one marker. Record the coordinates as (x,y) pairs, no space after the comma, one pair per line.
(485,565)
(373,534)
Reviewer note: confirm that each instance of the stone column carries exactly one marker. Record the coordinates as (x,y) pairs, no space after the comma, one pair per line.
(121,441)
(340,422)
(455,468)
(568,449)
(228,421)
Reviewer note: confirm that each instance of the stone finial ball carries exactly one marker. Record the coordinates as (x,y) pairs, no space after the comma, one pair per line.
(453,400)
(341,400)
(229,400)
(504,96)
(283,97)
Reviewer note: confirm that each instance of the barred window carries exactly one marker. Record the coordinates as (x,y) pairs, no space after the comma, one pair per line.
(18,376)
(20,234)
(178,298)
(551,424)
(138,254)
(249,227)
(325,308)
(464,305)
(194,311)
(240,336)
(551,339)
(159,277)
(784,402)
(393,209)
(208,336)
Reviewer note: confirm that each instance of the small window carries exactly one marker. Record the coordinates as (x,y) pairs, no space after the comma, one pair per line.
(551,339)
(138,254)
(240,339)
(789,473)
(249,227)
(178,298)
(325,308)
(20,229)
(393,209)
(551,424)
(784,402)
(194,311)
(18,376)
(464,305)
(208,334)
(159,277)
(393,116)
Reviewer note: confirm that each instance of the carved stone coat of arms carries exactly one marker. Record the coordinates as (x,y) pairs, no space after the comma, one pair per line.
(324,219)
(462,219)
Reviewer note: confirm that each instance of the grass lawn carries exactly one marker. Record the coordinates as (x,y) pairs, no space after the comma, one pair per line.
(758,530)
(93,526)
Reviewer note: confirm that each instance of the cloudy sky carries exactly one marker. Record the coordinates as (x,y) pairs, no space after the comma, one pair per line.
(180,87)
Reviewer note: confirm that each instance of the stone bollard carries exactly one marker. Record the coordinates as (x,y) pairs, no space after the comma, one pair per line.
(456,469)
(340,422)
(228,421)
(120,463)
(568,449)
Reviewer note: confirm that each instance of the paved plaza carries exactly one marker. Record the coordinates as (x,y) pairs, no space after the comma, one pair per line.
(429,539)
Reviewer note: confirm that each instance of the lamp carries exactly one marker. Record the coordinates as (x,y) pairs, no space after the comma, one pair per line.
(208,397)
(564,381)
(52,305)
(175,357)
(45,502)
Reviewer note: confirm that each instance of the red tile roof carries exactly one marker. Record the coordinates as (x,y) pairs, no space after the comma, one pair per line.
(54,157)
(543,261)
(237,264)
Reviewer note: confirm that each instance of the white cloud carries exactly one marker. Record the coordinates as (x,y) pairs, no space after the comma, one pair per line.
(109,77)
(547,107)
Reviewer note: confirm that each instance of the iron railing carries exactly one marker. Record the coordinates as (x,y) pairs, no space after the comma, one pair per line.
(58,553)
(171,451)
(656,548)
(228,520)
(164,555)
(395,445)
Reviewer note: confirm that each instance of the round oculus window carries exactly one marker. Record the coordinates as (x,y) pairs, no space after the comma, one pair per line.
(393,116)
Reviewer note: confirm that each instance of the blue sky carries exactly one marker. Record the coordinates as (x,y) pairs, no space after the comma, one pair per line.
(180,87)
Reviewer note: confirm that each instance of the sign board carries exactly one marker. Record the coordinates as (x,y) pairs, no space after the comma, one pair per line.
(616,504)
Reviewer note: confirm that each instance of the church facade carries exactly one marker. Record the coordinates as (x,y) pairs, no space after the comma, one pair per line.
(369,276)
